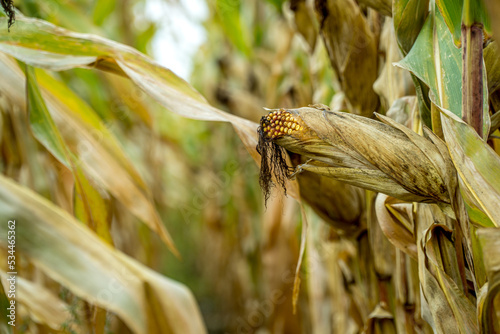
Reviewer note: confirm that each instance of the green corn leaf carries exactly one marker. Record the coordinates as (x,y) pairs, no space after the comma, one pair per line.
(476,163)
(435,60)
(409,17)
(451,12)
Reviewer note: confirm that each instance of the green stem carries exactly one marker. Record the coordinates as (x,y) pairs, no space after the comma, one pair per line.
(472,76)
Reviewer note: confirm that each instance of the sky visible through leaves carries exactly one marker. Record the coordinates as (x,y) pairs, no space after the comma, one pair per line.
(179,30)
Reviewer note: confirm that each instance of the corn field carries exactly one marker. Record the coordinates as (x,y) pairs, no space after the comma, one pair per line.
(356,188)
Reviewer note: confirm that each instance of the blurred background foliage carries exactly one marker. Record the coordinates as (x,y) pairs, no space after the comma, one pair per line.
(237,256)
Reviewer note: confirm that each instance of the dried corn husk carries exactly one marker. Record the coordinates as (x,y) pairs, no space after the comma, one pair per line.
(337,203)
(385,157)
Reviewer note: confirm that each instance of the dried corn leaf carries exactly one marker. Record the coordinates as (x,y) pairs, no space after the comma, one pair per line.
(89,206)
(91,269)
(304,21)
(407,293)
(491,55)
(98,152)
(396,226)
(338,203)
(393,82)
(4,304)
(493,8)
(42,305)
(41,44)
(445,305)
(489,299)
(352,49)
(382,6)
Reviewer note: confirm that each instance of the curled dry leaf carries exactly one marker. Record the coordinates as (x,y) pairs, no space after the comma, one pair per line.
(397,226)
(387,158)
(384,253)
(445,305)
(380,320)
